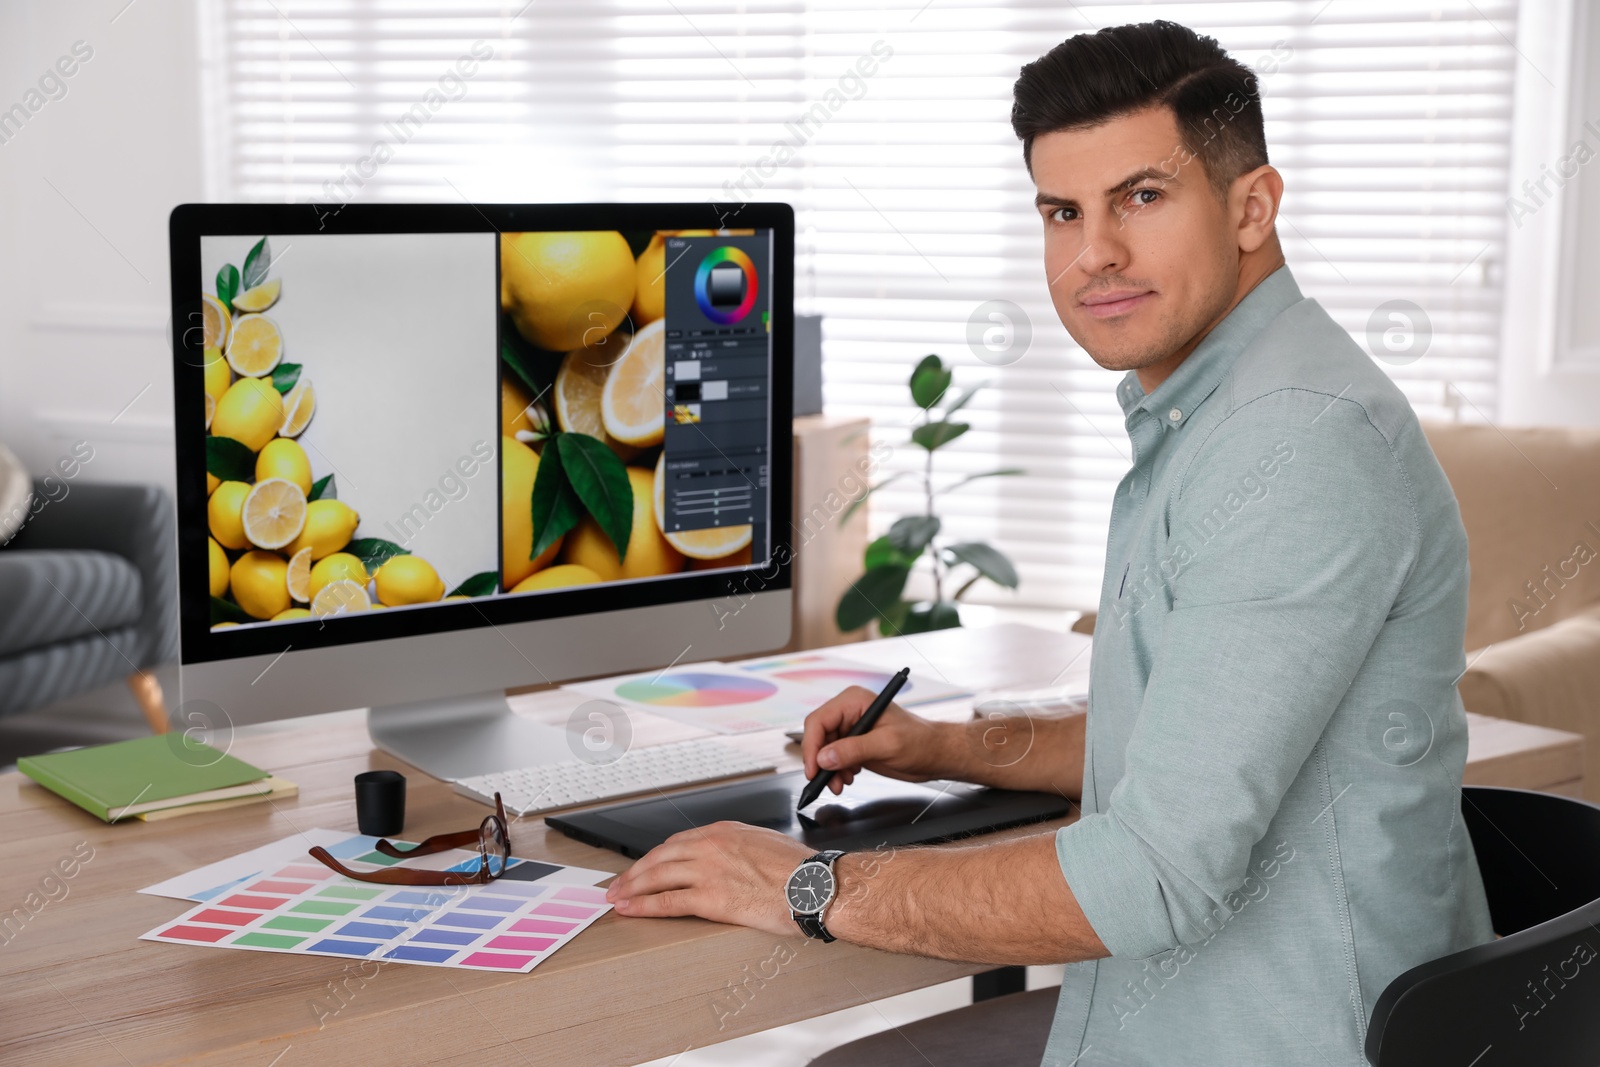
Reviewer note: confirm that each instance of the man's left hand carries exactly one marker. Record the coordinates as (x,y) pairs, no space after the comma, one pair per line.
(727,872)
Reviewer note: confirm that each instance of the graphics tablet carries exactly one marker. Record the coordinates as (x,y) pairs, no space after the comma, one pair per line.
(872,811)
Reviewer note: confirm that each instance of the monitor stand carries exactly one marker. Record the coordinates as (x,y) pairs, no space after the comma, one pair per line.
(461,736)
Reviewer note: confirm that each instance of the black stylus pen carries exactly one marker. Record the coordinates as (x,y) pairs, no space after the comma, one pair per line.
(868,720)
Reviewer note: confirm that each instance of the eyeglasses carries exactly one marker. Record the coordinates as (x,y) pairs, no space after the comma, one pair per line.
(492,838)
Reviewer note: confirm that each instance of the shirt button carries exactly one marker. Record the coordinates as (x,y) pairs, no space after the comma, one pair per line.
(1175,415)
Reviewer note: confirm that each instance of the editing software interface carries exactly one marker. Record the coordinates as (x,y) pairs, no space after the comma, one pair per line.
(718,360)
(395,420)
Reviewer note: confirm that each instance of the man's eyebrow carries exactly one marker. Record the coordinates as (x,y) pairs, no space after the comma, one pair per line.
(1142,175)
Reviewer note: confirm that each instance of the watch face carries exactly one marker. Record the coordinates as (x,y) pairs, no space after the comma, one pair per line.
(810,888)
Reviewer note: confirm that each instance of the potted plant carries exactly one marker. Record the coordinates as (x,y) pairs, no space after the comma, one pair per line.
(879,594)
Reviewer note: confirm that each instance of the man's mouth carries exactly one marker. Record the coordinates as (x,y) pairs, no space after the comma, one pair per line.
(1111,303)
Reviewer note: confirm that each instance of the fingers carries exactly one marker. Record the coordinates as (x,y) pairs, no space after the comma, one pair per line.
(651,880)
(830,721)
(668,904)
(853,753)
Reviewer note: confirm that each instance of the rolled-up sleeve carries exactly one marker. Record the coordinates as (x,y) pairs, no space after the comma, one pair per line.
(1279,584)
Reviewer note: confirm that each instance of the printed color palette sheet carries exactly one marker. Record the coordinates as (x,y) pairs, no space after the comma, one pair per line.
(299,906)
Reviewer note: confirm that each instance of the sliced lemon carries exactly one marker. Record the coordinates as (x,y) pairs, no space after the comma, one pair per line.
(274,513)
(299,577)
(216,321)
(714,543)
(633,404)
(579,385)
(339,598)
(298,407)
(218,377)
(260,298)
(255,347)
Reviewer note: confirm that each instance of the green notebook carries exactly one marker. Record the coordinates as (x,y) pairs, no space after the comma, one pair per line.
(146,774)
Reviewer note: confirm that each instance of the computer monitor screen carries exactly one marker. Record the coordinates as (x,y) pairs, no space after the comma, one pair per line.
(432,418)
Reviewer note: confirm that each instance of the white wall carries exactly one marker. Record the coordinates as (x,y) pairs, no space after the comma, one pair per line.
(83,266)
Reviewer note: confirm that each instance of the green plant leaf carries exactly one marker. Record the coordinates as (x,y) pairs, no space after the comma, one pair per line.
(256,263)
(883,551)
(990,561)
(374,551)
(862,499)
(284,376)
(230,460)
(963,400)
(931,615)
(555,506)
(228,611)
(935,435)
(870,594)
(892,619)
(912,533)
(227,284)
(521,364)
(1003,472)
(481,584)
(929,381)
(323,489)
(601,482)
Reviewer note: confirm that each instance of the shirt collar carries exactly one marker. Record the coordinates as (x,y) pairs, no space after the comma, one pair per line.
(1175,399)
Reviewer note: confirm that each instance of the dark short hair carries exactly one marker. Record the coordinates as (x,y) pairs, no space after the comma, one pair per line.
(1094,77)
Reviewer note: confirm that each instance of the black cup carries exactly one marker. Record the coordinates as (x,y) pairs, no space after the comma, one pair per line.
(380,803)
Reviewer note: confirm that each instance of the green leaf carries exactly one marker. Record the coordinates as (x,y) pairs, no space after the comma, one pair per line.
(284,375)
(963,400)
(860,604)
(862,499)
(555,506)
(938,434)
(373,551)
(230,460)
(892,619)
(323,489)
(601,482)
(990,561)
(256,263)
(228,611)
(227,284)
(1003,472)
(481,584)
(521,364)
(883,551)
(929,382)
(931,615)
(912,533)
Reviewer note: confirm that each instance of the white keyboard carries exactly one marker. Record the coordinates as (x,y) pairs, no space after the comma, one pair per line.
(534,790)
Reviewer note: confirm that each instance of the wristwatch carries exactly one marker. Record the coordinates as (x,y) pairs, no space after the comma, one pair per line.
(809,892)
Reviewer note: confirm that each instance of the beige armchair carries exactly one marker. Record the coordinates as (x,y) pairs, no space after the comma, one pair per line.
(1530,500)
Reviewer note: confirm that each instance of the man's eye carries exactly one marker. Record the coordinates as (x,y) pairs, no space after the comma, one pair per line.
(1144,197)
(1063,214)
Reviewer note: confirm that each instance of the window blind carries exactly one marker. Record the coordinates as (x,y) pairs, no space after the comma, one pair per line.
(886,125)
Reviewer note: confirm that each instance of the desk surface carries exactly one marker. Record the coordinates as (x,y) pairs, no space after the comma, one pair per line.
(77,986)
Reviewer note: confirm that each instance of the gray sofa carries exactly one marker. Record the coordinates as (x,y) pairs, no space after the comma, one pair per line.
(88,595)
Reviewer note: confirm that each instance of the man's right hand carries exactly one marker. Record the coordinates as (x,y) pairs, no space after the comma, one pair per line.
(901,745)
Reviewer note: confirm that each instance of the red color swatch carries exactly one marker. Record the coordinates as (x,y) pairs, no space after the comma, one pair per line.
(280,887)
(244,900)
(226,918)
(195,933)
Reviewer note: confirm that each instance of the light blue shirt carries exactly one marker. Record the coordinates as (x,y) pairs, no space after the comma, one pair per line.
(1271,796)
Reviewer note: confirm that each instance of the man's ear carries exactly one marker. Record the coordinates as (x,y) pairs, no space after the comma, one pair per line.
(1253,202)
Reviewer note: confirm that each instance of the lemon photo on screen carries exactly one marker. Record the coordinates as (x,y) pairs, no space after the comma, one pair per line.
(287,487)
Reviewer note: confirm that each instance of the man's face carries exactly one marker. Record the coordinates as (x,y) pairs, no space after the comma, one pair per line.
(1140,253)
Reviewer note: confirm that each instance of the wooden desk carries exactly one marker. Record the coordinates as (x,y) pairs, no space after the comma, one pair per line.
(77,987)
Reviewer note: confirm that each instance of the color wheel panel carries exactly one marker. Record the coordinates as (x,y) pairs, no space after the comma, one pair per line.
(695,690)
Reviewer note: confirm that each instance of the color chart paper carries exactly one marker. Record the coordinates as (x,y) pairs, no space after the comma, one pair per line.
(712,696)
(826,674)
(303,908)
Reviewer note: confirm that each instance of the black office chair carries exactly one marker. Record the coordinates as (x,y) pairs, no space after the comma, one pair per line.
(1531,996)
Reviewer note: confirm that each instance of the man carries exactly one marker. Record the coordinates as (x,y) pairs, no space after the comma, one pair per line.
(1270,765)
